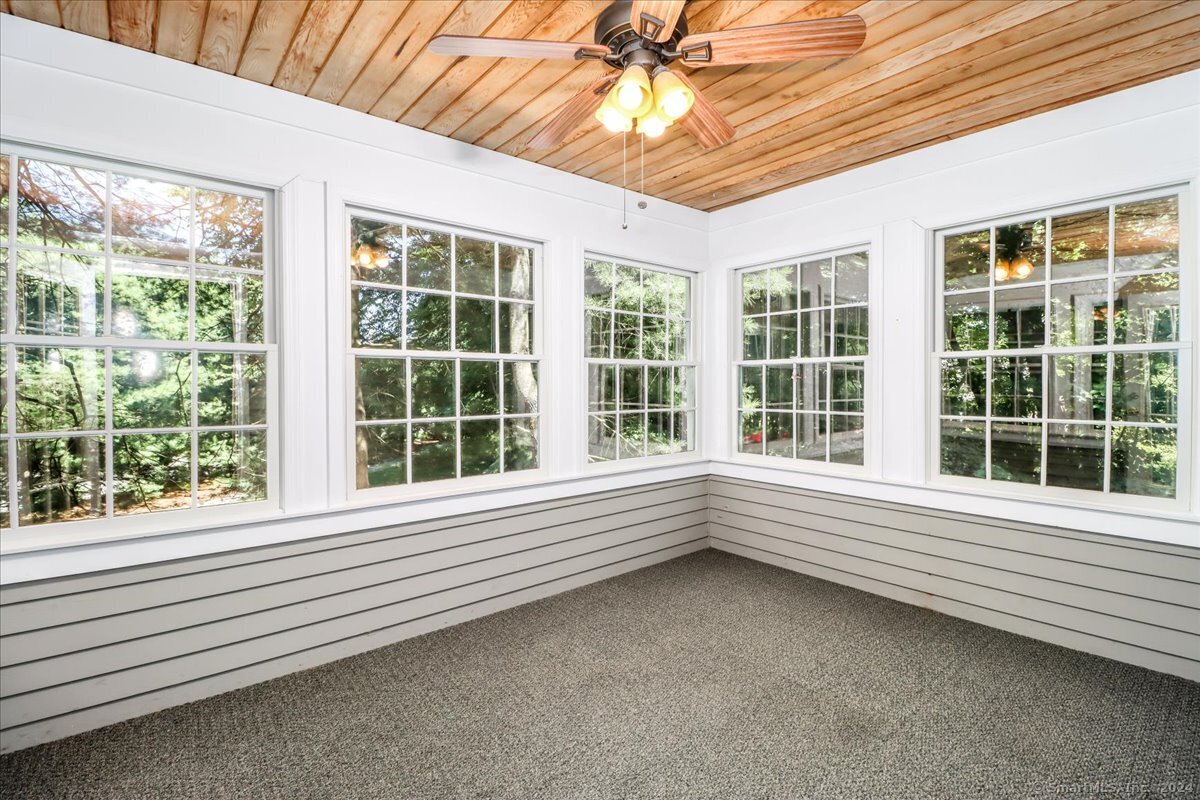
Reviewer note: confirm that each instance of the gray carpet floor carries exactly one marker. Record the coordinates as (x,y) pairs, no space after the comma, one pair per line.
(710,676)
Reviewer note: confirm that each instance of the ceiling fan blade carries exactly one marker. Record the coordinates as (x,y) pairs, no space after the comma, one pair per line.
(513,48)
(655,19)
(786,41)
(576,110)
(704,122)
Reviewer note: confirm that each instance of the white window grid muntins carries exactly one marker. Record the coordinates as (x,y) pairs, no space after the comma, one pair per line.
(828,411)
(685,362)
(456,356)
(1042,353)
(107,342)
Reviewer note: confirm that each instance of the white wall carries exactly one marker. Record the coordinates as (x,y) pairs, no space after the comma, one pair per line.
(1140,138)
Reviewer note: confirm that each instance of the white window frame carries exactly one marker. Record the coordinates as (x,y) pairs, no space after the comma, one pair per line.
(1185,424)
(345,372)
(872,433)
(695,347)
(112,527)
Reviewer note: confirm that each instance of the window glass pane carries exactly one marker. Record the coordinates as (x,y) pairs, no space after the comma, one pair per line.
(381,388)
(516,272)
(780,387)
(520,443)
(1079,244)
(602,387)
(59,205)
(1079,313)
(520,387)
(232,467)
(152,472)
(153,389)
(1147,235)
(682,439)
(151,218)
(479,393)
(658,388)
(476,267)
(1017,452)
(232,389)
(1020,318)
(780,436)
(1077,387)
(679,335)
(814,334)
(846,445)
(1146,387)
(516,328)
(432,391)
(964,448)
(598,279)
(851,278)
(150,301)
(628,289)
(59,294)
(752,432)
(754,293)
(1143,461)
(4,161)
(376,251)
(967,260)
(682,396)
(632,440)
(4,513)
(1021,253)
(966,318)
(1017,387)
(434,455)
(627,336)
(599,334)
(229,230)
(754,338)
(602,437)
(751,396)
(59,480)
(229,307)
(631,390)
(678,296)
(658,433)
(655,289)
(781,288)
(812,437)
(474,325)
(381,454)
(428,325)
(59,389)
(428,254)
(376,316)
(654,338)
(850,331)
(848,386)
(783,336)
(480,447)
(1075,456)
(964,387)
(811,388)
(1146,308)
(816,283)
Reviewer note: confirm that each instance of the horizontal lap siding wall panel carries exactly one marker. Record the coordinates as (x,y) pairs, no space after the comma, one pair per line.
(978,569)
(242,643)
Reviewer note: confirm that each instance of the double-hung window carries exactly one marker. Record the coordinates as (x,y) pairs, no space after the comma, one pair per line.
(641,372)
(1061,348)
(137,353)
(802,372)
(444,352)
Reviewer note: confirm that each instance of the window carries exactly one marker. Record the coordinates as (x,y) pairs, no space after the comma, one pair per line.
(137,357)
(444,350)
(638,347)
(803,369)
(1060,351)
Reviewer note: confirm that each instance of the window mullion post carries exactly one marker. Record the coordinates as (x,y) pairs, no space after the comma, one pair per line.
(1110,357)
(10,357)
(1047,343)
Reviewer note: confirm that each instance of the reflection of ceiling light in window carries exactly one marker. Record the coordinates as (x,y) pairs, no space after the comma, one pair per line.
(368,257)
(1019,268)
(145,363)
(1022,267)
(1001,270)
(54,361)
(124,323)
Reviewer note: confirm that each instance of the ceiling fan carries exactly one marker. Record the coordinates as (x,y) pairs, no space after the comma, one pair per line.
(641,38)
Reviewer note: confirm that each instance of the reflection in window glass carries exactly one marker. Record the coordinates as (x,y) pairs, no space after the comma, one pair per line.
(1060,362)
(122,280)
(803,367)
(640,401)
(442,330)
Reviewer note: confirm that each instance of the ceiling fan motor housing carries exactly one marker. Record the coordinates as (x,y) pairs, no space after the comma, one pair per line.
(627,46)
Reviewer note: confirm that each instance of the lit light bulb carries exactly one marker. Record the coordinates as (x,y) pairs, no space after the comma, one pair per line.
(672,97)
(612,117)
(633,92)
(1001,270)
(1022,267)
(652,124)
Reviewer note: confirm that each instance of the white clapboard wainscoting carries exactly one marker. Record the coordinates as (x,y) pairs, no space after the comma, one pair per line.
(84,651)
(1126,599)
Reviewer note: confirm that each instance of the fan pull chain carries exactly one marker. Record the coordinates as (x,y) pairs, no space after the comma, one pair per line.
(624,181)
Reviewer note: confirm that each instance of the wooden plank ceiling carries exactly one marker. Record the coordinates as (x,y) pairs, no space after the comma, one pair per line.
(929,71)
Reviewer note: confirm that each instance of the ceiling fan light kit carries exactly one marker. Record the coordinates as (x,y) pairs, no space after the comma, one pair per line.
(641,38)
